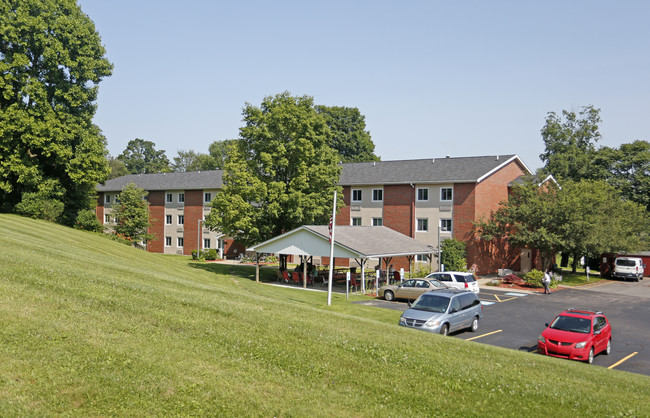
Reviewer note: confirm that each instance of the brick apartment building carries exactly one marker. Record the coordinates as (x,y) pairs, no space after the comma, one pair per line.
(427,199)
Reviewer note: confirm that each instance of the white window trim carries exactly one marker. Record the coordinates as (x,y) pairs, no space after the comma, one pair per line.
(446,230)
(417,194)
(380,219)
(352,195)
(181,199)
(356,217)
(180,242)
(452,194)
(373,195)
(169,197)
(417,225)
(179,218)
(168,239)
(207,197)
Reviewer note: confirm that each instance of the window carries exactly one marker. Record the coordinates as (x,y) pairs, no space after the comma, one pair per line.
(168,219)
(181,219)
(446,194)
(207,197)
(181,197)
(423,224)
(356,221)
(377,195)
(377,221)
(423,195)
(206,242)
(421,258)
(168,241)
(356,195)
(180,241)
(445,225)
(108,198)
(169,198)
(107,219)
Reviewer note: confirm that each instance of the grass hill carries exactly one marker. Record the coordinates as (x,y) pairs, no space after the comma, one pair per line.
(92,327)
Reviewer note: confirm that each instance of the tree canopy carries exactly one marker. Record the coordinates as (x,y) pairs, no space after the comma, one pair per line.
(132,214)
(586,217)
(279,175)
(570,143)
(141,157)
(349,135)
(51,63)
(219,151)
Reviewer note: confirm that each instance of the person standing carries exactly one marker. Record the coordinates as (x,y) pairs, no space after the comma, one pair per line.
(547,282)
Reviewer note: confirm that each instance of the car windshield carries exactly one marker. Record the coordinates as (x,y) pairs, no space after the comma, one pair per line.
(572,324)
(431,303)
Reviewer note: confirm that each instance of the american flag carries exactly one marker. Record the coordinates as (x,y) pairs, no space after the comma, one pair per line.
(330,228)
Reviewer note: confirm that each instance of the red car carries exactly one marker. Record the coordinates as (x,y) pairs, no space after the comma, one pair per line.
(577,335)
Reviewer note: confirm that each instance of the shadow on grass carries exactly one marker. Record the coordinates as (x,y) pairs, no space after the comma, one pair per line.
(240,271)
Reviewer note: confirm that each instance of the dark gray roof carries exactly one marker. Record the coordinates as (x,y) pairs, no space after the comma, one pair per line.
(432,170)
(438,170)
(191,180)
(373,241)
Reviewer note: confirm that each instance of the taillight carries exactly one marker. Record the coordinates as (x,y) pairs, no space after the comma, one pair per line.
(466,285)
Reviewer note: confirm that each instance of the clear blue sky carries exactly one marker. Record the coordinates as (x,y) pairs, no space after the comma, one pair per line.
(433,78)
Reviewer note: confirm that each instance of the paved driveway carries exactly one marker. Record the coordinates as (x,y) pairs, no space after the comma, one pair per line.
(515,320)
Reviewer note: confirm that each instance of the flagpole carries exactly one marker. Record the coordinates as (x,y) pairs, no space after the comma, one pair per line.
(331,272)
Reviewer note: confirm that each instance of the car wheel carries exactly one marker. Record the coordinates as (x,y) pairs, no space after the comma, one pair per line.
(609,346)
(389,296)
(474,326)
(444,330)
(590,359)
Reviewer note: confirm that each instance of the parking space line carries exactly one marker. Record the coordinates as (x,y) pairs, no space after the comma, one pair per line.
(483,335)
(622,360)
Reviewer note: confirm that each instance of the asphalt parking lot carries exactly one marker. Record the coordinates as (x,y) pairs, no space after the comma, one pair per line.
(514,319)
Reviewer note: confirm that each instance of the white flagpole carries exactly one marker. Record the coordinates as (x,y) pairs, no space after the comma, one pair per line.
(329,283)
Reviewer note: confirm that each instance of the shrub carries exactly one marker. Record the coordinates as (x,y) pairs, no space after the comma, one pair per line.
(39,206)
(454,253)
(421,270)
(211,254)
(87,221)
(534,279)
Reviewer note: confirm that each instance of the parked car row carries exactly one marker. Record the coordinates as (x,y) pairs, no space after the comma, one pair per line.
(453,305)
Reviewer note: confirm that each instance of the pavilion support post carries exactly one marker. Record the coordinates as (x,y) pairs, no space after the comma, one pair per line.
(304,271)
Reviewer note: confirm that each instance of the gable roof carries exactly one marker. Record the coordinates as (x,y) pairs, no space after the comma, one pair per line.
(191,180)
(436,170)
(349,242)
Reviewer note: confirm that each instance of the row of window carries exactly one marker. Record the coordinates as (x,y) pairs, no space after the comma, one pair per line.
(181,219)
(422,223)
(207,243)
(422,194)
(207,197)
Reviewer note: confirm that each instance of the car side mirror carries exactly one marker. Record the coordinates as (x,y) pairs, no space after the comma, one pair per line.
(453,310)
(409,303)
(546,325)
(597,332)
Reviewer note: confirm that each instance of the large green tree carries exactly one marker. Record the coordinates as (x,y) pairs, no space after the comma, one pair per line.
(280,174)
(190,160)
(349,135)
(570,143)
(219,151)
(627,168)
(142,157)
(132,214)
(51,63)
(586,217)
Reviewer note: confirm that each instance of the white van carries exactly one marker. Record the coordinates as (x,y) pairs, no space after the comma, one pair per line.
(628,268)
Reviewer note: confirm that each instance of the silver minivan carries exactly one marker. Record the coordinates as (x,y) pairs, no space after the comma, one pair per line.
(444,311)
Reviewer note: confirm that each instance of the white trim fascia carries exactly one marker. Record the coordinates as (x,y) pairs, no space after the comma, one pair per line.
(500,166)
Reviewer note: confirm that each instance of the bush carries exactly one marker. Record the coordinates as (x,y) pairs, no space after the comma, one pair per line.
(534,279)
(421,270)
(39,206)
(87,221)
(454,253)
(211,254)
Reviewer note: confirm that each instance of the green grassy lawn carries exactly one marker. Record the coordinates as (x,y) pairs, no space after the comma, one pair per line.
(91,327)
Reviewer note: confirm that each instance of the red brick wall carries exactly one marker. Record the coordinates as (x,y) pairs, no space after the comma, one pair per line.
(99,209)
(157,221)
(398,208)
(193,212)
(343,216)
(482,200)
